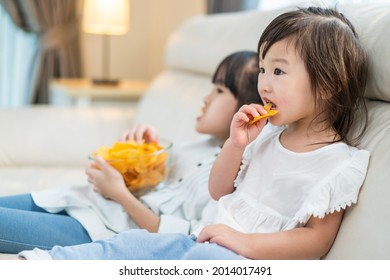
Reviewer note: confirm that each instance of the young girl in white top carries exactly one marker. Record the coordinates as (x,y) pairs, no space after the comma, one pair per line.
(70,215)
(281,187)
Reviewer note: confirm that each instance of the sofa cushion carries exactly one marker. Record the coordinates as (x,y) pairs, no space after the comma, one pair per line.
(22,179)
(364,232)
(203,41)
(173,102)
(372,21)
(58,136)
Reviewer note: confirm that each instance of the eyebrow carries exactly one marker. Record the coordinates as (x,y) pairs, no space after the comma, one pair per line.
(281,60)
(277,60)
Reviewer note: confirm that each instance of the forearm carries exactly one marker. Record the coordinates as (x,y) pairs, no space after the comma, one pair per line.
(141,215)
(279,246)
(310,242)
(225,170)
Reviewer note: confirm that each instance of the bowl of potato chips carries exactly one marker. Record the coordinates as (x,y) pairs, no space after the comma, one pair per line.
(143,165)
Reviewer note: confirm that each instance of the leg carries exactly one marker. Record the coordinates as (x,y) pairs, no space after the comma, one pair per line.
(132,244)
(33,227)
(22,202)
(208,251)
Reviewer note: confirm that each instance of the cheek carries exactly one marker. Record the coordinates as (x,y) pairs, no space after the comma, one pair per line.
(216,119)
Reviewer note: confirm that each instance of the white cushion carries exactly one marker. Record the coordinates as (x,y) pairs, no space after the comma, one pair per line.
(203,41)
(372,21)
(173,102)
(364,232)
(45,136)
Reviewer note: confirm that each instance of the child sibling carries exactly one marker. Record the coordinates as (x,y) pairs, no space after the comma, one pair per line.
(282,186)
(71,215)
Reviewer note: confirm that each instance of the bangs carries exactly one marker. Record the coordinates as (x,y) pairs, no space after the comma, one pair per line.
(220,75)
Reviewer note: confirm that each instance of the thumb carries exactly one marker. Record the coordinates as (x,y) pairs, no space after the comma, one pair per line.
(100,162)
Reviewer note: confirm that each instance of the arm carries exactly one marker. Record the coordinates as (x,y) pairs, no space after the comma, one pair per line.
(228,162)
(110,184)
(225,170)
(310,242)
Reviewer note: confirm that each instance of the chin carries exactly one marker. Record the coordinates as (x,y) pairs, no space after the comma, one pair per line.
(198,127)
(274,122)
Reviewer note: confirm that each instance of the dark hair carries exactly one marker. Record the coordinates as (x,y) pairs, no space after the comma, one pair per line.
(239,73)
(334,59)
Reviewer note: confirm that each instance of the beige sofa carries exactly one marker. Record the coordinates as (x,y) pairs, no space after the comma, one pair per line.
(44,147)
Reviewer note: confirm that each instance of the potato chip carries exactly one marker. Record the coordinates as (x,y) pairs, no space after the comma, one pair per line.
(142,165)
(270,113)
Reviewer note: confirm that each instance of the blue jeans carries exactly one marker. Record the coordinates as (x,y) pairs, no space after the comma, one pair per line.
(24,226)
(137,244)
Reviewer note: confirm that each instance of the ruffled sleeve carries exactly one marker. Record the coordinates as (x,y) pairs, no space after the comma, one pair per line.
(243,167)
(241,172)
(338,191)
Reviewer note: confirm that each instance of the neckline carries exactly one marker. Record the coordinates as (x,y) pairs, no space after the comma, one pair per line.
(309,153)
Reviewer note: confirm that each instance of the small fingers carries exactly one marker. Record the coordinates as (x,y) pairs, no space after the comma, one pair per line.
(125,136)
(139,133)
(91,180)
(252,111)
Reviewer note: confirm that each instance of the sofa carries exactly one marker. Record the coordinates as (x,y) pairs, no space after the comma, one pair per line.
(43,147)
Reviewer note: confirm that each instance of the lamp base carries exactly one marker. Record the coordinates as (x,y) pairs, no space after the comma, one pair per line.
(105,82)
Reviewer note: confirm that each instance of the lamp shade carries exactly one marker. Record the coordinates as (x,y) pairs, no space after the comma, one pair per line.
(110,17)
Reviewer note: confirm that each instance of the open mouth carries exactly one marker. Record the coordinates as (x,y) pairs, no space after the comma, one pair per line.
(269,105)
(202,110)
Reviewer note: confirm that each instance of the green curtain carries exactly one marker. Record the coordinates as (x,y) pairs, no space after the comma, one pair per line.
(56,24)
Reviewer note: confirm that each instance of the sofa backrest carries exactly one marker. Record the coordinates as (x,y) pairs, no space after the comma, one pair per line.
(47,136)
(193,53)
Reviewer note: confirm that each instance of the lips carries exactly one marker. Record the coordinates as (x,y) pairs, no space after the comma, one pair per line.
(269,105)
(202,110)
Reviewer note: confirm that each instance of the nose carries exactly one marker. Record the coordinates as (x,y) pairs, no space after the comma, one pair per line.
(207,98)
(263,84)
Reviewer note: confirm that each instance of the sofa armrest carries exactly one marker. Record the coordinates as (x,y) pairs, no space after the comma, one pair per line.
(54,136)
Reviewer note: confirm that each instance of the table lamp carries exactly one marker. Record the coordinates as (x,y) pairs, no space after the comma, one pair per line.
(106,17)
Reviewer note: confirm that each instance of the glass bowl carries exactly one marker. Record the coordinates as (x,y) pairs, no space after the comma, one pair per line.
(143,166)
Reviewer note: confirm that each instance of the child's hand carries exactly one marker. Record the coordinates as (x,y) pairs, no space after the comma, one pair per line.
(106,179)
(241,132)
(140,132)
(224,236)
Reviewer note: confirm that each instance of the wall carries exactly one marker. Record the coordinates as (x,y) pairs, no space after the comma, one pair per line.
(139,54)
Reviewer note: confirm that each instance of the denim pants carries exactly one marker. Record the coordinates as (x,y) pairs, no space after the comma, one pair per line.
(24,226)
(138,244)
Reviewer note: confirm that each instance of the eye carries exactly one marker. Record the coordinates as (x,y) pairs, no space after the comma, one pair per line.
(262,70)
(277,71)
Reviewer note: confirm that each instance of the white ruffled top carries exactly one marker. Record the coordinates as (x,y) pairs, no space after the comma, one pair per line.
(278,190)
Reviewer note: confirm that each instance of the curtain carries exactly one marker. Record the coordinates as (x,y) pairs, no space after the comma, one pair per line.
(56,26)
(227,6)
(17,49)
